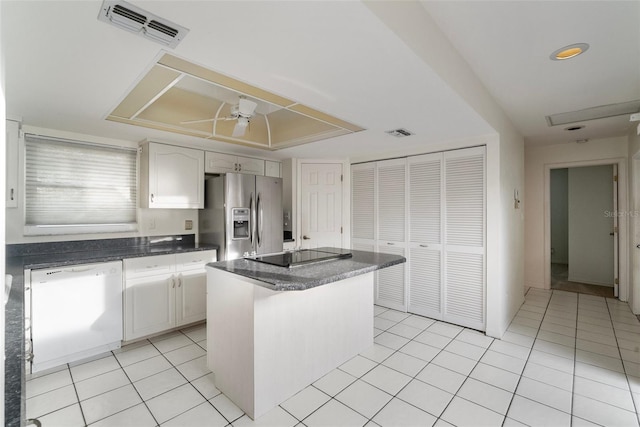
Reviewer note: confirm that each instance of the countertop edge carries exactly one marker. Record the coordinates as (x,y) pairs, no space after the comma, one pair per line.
(309,283)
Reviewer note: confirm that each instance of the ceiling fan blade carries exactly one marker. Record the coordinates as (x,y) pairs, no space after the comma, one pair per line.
(246,107)
(188,122)
(240,127)
(208,120)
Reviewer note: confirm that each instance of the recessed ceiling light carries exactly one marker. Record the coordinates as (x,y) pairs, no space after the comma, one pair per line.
(572,128)
(568,52)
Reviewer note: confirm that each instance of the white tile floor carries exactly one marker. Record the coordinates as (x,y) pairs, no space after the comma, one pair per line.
(567,359)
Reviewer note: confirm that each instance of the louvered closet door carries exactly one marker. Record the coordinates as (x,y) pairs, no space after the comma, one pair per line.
(391,223)
(464,251)
(425,235)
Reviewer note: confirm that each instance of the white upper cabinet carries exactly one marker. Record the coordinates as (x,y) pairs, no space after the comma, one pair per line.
(12,134)
(171,177)
(223,163)
(273,169)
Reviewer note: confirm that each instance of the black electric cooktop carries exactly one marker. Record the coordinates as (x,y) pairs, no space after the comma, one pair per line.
(303,256)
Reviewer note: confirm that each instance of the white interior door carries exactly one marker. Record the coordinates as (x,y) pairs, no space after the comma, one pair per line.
(321,205)
(591,230)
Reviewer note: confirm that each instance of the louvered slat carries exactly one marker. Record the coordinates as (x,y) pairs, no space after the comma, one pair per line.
(363,201)
(425,201)
(425,281)
(465,286)
(391,201)
(464,183)
(391,282)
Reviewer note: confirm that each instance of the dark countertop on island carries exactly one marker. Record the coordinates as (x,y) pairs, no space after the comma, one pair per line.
(55,254)
(309,275)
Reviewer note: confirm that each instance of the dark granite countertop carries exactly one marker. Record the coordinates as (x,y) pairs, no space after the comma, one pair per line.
(309,275)
(54,254)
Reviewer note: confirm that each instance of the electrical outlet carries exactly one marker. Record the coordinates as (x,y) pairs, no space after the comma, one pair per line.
(188,224)
(152,223)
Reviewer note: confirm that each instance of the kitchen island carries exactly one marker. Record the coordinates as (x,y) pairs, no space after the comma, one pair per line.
(272,331)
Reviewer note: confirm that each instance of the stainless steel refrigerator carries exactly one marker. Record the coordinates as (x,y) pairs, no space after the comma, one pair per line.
(242,215)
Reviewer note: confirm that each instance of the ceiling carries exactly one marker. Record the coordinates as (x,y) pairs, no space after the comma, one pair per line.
(66,70)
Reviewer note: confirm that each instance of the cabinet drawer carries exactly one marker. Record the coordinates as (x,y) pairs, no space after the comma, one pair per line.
(148,266)
(194,260)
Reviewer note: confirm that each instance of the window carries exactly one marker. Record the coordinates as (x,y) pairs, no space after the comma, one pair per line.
(77,187)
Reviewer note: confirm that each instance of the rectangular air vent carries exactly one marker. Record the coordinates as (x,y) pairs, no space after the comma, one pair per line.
(139,21)
(399,133)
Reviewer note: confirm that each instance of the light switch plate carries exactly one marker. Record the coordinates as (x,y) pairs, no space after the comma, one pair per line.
(188,224)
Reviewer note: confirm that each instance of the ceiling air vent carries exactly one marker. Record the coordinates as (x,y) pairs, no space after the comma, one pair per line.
(139,21)
(399,133)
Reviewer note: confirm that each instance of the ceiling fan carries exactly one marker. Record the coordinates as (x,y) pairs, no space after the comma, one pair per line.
(241,112)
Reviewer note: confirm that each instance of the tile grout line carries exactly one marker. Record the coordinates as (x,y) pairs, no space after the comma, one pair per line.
(575,359)
(529,355)
(84,418)
(136,390)
(624,368)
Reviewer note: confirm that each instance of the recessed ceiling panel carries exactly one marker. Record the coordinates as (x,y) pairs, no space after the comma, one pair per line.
(178,96)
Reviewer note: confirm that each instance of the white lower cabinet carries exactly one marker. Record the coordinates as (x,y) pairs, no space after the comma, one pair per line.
(164,291)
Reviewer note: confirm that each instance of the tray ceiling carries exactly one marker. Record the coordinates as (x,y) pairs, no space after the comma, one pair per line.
(175,92)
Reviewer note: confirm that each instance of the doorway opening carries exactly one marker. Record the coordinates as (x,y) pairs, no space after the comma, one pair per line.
(584,230)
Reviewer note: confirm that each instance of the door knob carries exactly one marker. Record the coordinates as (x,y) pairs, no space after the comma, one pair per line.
(306,238)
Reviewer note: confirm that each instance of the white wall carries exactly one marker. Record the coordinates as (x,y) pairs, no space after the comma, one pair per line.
(559,216)
(634,215)
(3,135)
(590,244)
(166,221)
(538,160)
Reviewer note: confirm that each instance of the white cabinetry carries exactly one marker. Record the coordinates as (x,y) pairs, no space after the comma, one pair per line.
(164,291)
(223,163)
(12,135)
(430,209)
(272,168)
(171,177)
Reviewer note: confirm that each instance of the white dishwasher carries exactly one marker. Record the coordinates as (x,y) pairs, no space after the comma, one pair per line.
(76,312)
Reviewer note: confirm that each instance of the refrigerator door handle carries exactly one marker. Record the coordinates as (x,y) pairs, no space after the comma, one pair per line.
(260,219)
(251,219)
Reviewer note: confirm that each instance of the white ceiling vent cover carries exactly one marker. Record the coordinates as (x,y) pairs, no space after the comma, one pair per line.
(139,21)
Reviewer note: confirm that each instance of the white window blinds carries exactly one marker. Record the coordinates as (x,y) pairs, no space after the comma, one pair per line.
(70,183)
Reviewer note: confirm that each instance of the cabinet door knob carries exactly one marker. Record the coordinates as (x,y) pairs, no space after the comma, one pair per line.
(12,191)
(151,197)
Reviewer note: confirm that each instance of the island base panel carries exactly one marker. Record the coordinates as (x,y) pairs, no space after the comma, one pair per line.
(265,346)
